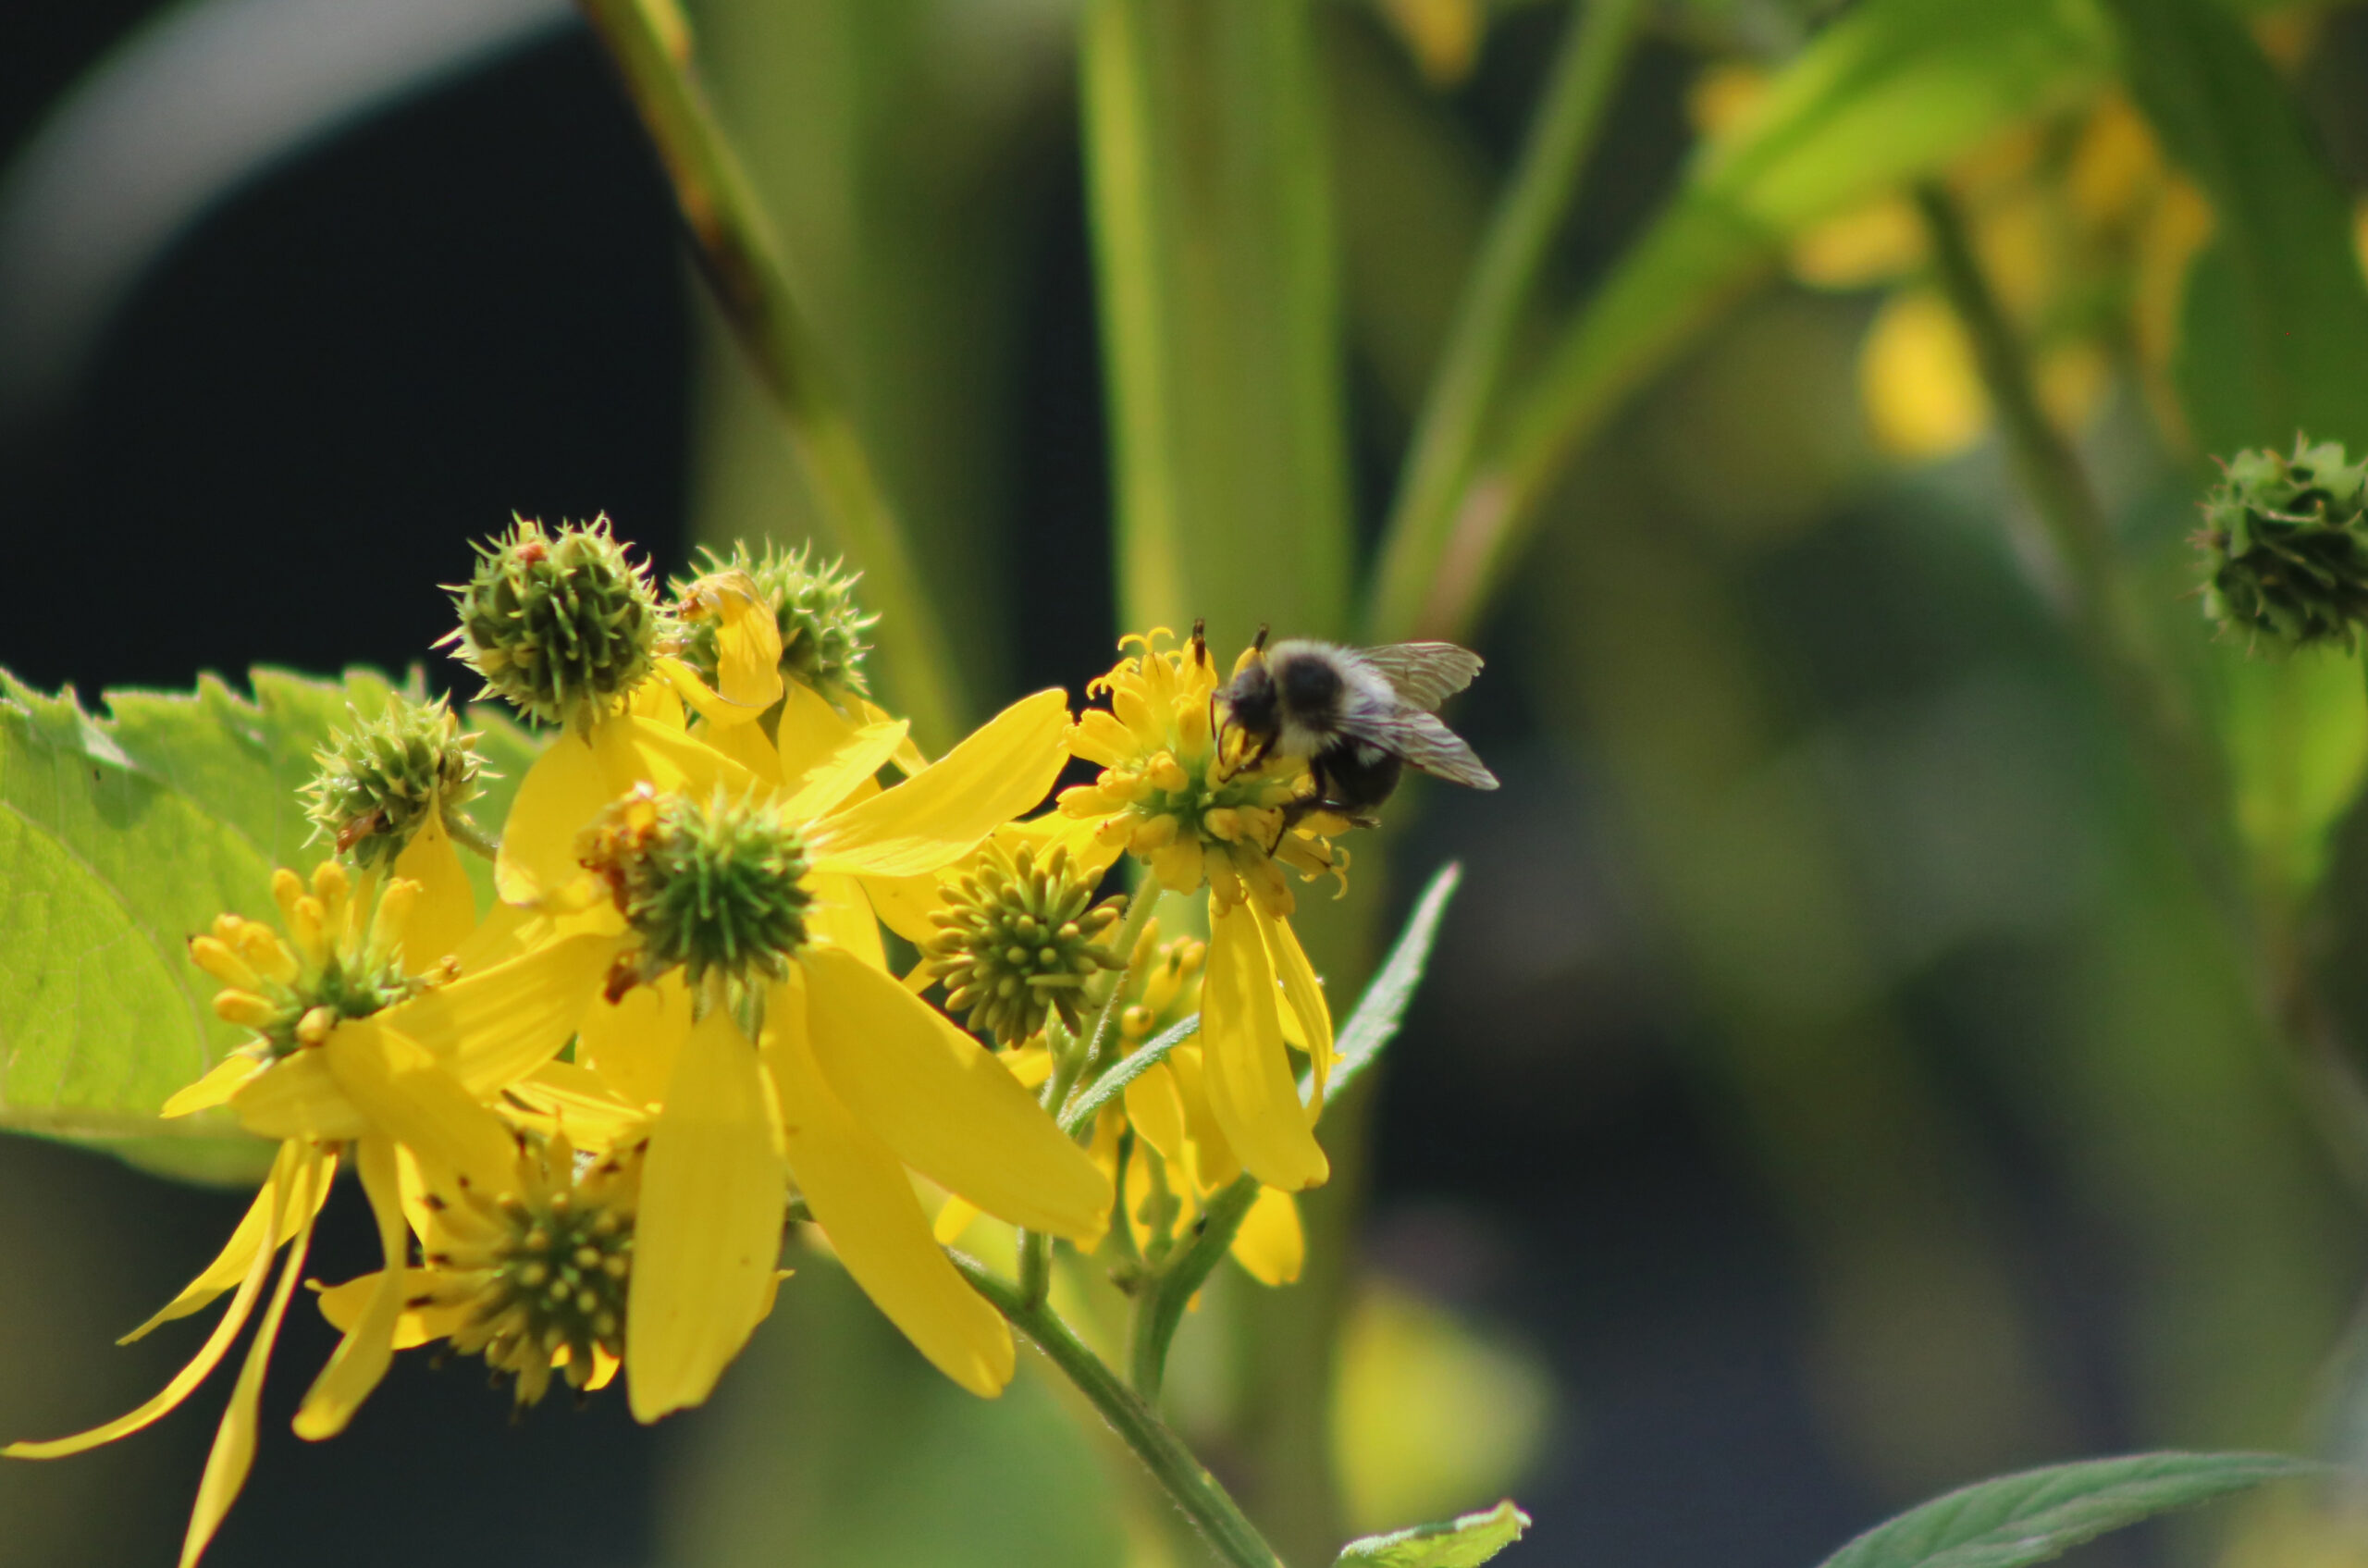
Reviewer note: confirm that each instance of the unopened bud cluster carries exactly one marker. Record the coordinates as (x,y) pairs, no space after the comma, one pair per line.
(2285,539)
(561,624)
(823,627)
(715,886)
(378,781)
(1017,941)
(340,958)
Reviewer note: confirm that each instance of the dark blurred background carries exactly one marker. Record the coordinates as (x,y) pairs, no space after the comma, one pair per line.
(1829,1089)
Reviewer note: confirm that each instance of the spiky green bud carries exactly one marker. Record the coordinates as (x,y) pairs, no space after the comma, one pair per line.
(2286,542)
(561,624)
(715,886)
(1017,942)
(822,625)
(378,780)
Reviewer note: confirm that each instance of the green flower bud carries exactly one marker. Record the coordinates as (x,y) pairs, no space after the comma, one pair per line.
(822,625)
(1017,943)
(561,624)
(714,886)
(378,781)
(2286,542)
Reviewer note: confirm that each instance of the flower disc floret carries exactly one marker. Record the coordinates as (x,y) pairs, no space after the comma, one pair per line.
(713,885)
(2285,542)
(561,624)
(341,958)
(823,626)
(378,781)
(1178,791)
(543,1272)
(1017,941)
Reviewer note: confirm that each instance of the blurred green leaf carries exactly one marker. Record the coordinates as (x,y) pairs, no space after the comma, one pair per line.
(2276,327)
(1215,254)
(119,838)
(1462,1542)
(2030,1517)
(2296,735)
(1382,1008)
(1893,90)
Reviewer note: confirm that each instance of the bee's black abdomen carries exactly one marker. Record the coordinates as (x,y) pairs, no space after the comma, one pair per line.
(1355,777)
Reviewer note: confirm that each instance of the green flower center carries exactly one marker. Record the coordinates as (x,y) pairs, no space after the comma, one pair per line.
(1018,942)
(713,886)
(378,781)
(561,624)
(823,627)
(555,1280)
(2286,540)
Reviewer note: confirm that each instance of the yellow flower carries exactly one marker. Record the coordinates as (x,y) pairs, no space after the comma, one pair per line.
(1174,791)
(750,1001)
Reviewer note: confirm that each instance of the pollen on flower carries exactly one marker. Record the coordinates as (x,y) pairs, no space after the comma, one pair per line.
(715,886)
(1017,941)
(341,958)
(1175,788)
(823,626)
(542,1272)
(559,623)
(378,781)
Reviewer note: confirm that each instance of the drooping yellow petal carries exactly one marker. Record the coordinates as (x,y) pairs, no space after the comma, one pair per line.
(1270,1244)
(564,790)
(842,913)
(634,1043)
(500,937)
(707,1238)
(953,1216)
(580,1102)
(943,812)
(215,1088)
(748,746)
(944,1103)
(829,782)
(234,1442)
(1247,1075)
(1214,1163)
(344,1304)
(232,1263)
(445,914)
(409,1095)
(297,1097)
(747,643)
(495,1027)
(859,1193)
(1156,1108)
(367,1349)
(1302,992)
(656,701)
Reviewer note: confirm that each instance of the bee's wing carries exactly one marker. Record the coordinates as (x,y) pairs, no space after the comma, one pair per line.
(1423,742)
(1424,674)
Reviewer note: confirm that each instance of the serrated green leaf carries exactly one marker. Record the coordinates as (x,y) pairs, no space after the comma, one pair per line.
(1382,1008)
(1462,1542)
(120,837)
(2037,1515)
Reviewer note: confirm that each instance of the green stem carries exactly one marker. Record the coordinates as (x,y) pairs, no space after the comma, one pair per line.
(649,43)
(1141,908)
(1472,371)
(470,836)
(1161,1307)
(1187,1481)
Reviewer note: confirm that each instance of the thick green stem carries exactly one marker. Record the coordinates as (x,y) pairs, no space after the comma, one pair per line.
(1472,370)
(470,836)
(649,43)
(1160,1306)
(1096,1059)
(1186,1481)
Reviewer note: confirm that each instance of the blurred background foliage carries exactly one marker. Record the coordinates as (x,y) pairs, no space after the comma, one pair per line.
(1837,1081)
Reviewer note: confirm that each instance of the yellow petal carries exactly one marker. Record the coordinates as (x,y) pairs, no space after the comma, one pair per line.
(943,812)
(810,729)
(656,701)
(494,1027)
(633,751)
(748,746)
(632,1043)
(953,1216)
(581,1103)
(720,711)
(747,643)
(842,912)
(502,935)
(367,1349)
(859,1193)
(344,1304)
(707,1238)
(564,790)
(215,1088)
(445,913)
(1302,992)
(1247,1075)
(909,758)
(234,1440)
(905,905)
(1214,1163)
(944,1103)
(409,1095)
(297,1097)
(1157,1110)
(829,782)
(1270,1244)
(230,1264)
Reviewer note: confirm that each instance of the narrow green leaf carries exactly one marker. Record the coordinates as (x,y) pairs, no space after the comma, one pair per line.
(1893,90)
(2295,731)
(2011,1520)
(1383,1007)
(1111,1085)
(1462,1542)
(119,838)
